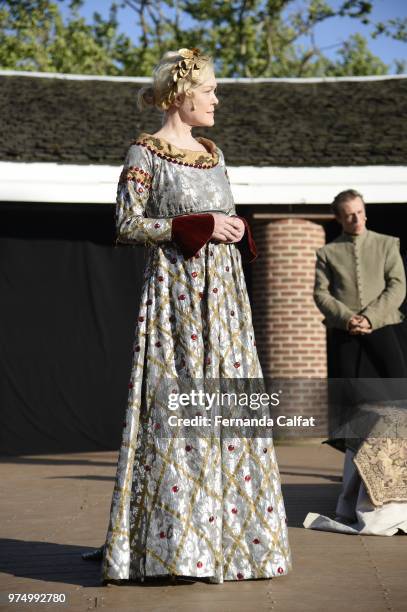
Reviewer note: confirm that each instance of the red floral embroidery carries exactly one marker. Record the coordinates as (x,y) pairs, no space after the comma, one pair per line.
(231,447)
(211,519)
(264,450)
(237,364)
(215,290)
(188,448)
(136,175)
(141,319)
(194,274)
(194,337)
(270,509)
(280,570)
(234,510)
(149,302)
(181,297)
(162,534)
(161,278)
(158,344)
(157,225)
(239,576)
(199,564)
(256,541)
(175,489)
(247,478)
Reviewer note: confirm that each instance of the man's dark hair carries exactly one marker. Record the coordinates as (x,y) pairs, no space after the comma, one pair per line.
(345,196)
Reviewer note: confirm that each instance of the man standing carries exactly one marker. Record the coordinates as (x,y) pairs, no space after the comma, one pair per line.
(359,286)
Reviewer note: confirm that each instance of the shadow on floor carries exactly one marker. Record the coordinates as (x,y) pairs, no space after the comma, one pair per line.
(301,499)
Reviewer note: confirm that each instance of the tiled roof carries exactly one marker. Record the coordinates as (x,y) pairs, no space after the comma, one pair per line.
(270,123)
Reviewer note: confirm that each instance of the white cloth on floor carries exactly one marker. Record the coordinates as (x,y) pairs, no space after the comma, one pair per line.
(355,513)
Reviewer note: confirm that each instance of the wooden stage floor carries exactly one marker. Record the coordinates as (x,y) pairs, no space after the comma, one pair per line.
(53,508)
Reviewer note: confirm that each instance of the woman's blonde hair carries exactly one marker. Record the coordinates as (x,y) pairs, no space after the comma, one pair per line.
(178,72)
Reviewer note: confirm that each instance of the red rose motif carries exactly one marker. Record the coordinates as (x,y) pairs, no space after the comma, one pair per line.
(231,447)
(141,319)
(239,576)
(181,297)
(161,278)
(157,225)
(149,302)
(140,190)
(247,478)
(232,312)
(211,519)
(157,426)
(158,344)
(162,534)
(237,364)
(215,290)
(188,448)
(234,510)
(194,274)
(194,336)
(270,509)
(175,489)
(227,268)
(199,564)
(264,450)
(256,541)
(280,570)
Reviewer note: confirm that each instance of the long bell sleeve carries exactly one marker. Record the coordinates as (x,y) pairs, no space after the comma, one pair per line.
(189,232)
(133,191)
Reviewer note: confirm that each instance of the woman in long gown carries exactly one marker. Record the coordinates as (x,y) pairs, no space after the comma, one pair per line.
(203,507)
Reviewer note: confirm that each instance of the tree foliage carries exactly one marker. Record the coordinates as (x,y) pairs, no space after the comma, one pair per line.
(249,38)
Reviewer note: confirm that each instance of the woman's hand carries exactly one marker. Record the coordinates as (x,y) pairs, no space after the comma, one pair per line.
(227,229)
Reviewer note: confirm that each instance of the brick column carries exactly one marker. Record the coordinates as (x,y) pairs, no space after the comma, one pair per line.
(290,338)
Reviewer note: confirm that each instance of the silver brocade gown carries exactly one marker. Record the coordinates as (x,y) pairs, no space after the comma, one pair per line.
(209,508)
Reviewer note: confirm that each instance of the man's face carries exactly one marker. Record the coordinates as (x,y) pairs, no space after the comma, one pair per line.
(352,216)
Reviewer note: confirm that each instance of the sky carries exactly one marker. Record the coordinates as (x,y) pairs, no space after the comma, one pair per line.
(328,35)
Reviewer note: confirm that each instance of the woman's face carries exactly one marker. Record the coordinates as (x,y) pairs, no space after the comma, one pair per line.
(203,101)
